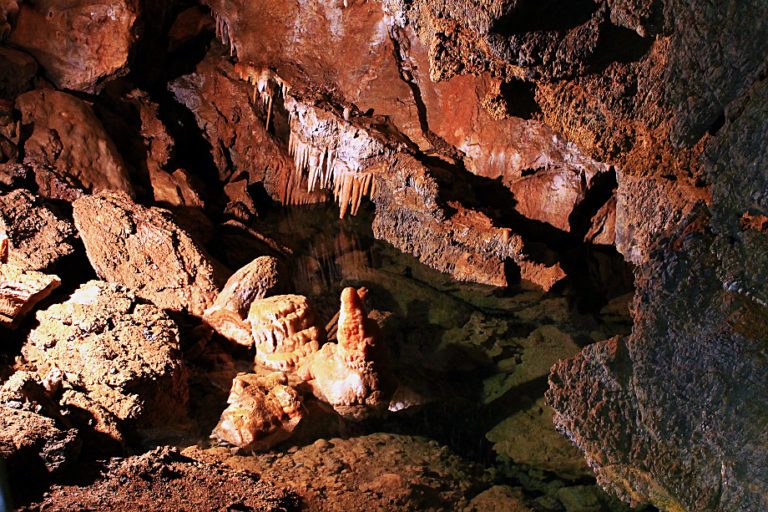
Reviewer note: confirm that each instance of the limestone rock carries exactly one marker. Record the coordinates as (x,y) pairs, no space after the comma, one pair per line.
(347,374)
(21,290)
(67,135)
(603,225)
(499,498)
(166,481)
(28,440)
(79,44)
(284,330)
(143,248)
(123,353)
(37,238)
(229,313)
(263,411)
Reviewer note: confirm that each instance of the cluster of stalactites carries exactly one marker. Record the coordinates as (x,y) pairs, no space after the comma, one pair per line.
(324,171)
(224,33)
(263,81)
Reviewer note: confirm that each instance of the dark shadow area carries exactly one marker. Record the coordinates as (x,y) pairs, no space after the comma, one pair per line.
(544,15)
(618,44)
(520,99)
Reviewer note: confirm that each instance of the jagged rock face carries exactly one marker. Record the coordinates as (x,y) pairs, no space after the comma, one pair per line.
(37,237)
(84,43)
(145,250)
(123,353)
(284,330)
(164,480)
(263,411)
(67,135)
(17,72)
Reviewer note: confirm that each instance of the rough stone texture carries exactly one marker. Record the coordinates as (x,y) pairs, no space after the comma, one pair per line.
(373,472)
(144,249)
(21,290)
(602,230)
(284,329)
(66,134)
(124,354)
(348,374)
(78,44)
(164,480)
(263,411)
(229,313)
(38,238)
(17,72)
(233,123)
(499,498)
(28,440)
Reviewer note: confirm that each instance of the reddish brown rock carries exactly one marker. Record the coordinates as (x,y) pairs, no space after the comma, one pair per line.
(79,44)
(229,313)
(166,481)
(189,24)
(234,124)
(145,250)
(602,229)
(122,353)
(37,238)
(263,411)
(284,330)
(9,132)
(28,440)
(17,72)
(21,290)
(347,374)
(67,135)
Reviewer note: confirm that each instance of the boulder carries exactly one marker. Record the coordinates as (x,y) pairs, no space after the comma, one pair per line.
(144,249)
(79,44)
(67,135)
(21,290)
(124,354)
(37,237)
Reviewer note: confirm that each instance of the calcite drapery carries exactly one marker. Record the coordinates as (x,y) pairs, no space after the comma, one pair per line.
(262,411)
(284,330)
(346,374)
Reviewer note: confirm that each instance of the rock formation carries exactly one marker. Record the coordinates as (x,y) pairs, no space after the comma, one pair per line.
(262,412)
(145,250)
(21,290)
(347,374)
(229,313)
(284,330)
(67,135)
(122,353)
(37,237)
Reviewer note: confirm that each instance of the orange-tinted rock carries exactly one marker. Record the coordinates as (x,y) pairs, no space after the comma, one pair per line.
(122,353)
(603,225)
(78,44)
(67,135)
(241,204)
(550,196)
(21,290)
(263,411)
(9,132)
(284,330)
(234,124)
(37,238)
(346,374)
(229,313)
(145,250)
(190,23)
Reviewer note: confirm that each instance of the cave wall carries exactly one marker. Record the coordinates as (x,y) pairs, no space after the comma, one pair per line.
(483,122)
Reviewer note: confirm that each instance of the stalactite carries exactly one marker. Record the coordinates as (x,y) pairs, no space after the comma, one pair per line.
(224,33)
